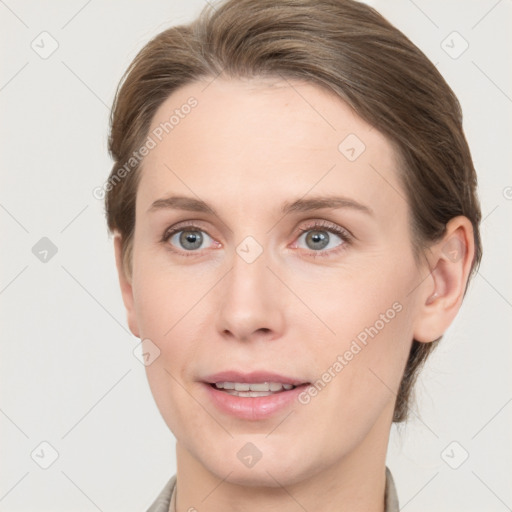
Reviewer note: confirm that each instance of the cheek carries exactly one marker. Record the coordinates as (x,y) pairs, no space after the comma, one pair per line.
(358,376)
(360,302)
(370,315)
(163,297)
(169,307)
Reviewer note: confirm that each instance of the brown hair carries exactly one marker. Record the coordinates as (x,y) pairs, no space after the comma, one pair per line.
(342,45)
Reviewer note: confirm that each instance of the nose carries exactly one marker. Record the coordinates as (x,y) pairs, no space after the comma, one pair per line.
(251,301)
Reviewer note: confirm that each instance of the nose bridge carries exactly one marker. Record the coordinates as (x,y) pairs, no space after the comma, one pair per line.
(250,299)
(249,270)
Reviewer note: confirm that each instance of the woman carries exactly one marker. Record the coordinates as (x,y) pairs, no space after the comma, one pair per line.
(295,222)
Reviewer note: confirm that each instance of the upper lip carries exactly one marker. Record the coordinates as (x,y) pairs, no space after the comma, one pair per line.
(252,377)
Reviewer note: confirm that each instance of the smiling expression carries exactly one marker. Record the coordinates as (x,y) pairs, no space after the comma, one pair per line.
(271,230)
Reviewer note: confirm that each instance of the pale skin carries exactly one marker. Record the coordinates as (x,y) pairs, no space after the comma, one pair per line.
(248,148)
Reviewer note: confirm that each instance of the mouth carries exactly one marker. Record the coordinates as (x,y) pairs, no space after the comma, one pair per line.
(253,396)
(252,389)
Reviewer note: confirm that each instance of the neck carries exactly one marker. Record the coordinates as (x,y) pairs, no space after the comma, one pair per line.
(356,483)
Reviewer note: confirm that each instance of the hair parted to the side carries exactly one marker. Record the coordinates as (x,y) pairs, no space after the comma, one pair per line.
(342,45)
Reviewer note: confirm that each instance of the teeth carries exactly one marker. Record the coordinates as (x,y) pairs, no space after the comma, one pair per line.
(257,388)
(249,393)
(264,386)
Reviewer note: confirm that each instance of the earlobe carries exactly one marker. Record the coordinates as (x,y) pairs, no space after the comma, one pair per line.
(125,286)
(441,294)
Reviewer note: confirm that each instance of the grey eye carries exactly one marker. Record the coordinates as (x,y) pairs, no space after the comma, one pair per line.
(189,239)
(318,239)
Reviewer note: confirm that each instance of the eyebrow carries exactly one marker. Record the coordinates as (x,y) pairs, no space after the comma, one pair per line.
(300,205)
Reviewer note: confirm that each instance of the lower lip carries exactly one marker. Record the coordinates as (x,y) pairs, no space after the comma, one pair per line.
(253,408)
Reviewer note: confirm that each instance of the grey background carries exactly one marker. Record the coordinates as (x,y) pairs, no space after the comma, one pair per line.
(68,373)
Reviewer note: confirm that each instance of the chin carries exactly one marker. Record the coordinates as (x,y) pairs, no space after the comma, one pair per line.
(272,465)
(271,475)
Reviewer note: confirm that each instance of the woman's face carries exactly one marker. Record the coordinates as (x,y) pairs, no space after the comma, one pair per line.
(272,244)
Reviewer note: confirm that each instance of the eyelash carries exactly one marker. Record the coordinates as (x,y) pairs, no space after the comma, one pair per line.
(344,234)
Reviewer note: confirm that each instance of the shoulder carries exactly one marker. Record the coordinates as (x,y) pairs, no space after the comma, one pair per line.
(163,500)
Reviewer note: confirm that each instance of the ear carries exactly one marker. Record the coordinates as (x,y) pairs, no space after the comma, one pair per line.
(126,287)
(442,292)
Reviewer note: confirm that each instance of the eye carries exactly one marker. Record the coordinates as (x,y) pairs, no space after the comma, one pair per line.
(319,238)
(323,238)
(187,238)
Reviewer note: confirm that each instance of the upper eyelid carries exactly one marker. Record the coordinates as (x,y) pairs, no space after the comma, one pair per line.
(182,225)
(327,225)
(311,225)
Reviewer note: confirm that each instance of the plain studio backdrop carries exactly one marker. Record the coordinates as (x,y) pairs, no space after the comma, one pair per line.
(79,427)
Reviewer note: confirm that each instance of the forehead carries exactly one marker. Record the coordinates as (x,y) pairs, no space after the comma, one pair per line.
(267,139)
